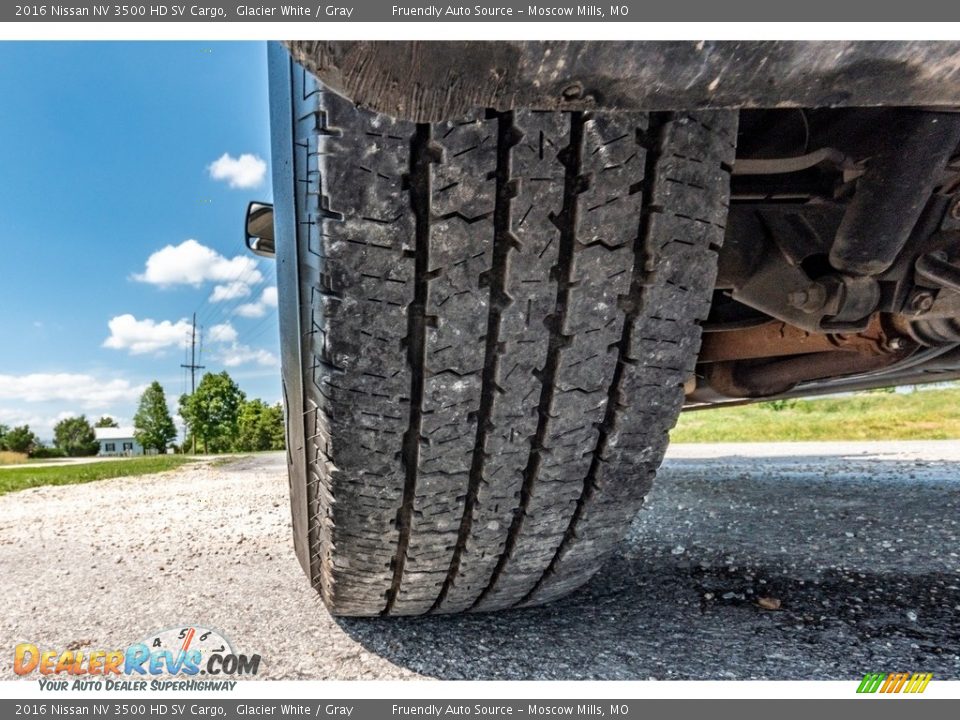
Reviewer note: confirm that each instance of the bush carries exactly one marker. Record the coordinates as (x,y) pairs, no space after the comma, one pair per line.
(21,440)
(259,427)
(47,453)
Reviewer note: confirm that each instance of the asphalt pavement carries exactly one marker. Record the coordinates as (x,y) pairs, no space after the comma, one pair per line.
(799,561)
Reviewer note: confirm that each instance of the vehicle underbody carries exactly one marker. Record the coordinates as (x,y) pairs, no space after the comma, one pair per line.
(840,268)
(505,268)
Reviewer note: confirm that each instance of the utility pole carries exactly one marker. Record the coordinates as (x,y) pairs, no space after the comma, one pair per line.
(193,367)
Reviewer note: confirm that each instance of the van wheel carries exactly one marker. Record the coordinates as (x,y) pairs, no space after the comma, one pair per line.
(498,315)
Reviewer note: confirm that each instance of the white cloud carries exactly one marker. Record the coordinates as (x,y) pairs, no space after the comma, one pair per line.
(42,422)
(246,171)
(251,310)
(238,354)
(86,391)
(145,336)
(191,263)
(224,332)
(15,418)
(268,299)
(229,291)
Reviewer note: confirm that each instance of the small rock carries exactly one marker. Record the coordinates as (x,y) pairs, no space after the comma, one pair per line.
(678,550)
(768,603)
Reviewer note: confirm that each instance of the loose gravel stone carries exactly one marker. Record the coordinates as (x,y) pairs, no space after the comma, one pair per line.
(212,546)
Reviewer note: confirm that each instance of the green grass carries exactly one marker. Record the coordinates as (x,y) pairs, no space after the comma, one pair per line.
(930,414)
(20,478)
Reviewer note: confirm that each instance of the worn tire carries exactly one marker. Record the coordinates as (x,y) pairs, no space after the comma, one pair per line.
(498,315)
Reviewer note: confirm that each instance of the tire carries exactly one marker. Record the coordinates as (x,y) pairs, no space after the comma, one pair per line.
(497,318)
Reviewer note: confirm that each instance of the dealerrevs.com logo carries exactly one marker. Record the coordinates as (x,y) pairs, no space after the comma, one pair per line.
(183,652)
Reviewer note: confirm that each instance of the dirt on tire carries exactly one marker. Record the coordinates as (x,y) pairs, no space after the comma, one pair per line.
(499,315)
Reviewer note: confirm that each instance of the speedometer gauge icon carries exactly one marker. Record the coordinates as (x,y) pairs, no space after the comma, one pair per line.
(189,637)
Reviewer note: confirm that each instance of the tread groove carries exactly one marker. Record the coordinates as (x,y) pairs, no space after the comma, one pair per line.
(503,243)
(420,160)
(634,303)
(566,221)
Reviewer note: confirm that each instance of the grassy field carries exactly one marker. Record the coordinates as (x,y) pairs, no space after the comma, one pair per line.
(20,478)
(931,414)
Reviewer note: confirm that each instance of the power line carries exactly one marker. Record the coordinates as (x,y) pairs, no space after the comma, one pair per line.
(183,368)
(222,310)
(214,313)
(262,325)
(244,270)
(209,314)
(225,311)
(192,366)
(230,309)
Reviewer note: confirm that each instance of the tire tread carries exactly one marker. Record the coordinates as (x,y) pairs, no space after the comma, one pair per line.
(499,315)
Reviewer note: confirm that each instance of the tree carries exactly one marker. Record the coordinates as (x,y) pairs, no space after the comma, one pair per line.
(75,436)
(3,436)
(154,428)
(274,420)
(259,427)
(211,413)
(106,422)
(250,434)
(21,439)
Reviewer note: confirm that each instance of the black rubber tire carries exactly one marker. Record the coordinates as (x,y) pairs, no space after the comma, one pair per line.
(501,313)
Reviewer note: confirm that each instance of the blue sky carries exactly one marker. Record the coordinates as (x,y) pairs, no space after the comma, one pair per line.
(124,175)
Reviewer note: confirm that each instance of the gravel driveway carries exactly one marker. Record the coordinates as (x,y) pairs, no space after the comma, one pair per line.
(856,542)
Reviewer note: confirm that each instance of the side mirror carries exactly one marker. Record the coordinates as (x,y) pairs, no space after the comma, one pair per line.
(259,229)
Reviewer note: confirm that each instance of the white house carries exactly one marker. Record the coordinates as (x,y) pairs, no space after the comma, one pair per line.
(117,441)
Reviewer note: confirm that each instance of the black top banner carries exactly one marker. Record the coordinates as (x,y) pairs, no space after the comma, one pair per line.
(488,11)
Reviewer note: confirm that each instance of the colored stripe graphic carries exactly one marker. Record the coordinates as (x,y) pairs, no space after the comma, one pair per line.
(870,683)
(920,684)
(901,679)
(890,683)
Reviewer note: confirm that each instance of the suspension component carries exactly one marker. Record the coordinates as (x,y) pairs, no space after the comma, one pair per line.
(894,190)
